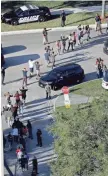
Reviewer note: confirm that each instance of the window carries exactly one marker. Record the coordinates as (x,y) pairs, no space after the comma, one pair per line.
(32,12)
(18,11)
(26,13)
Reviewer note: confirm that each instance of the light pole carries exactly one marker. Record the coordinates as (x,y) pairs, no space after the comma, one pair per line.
(103,8)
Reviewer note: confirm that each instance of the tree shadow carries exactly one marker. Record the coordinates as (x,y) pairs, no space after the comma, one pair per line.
(82,3)
(13,49)
(18,60)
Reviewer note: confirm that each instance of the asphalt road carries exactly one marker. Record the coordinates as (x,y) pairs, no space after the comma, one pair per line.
(18,50)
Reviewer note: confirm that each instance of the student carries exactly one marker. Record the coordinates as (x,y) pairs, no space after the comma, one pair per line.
(24,76)
(70,42)
(45,35)
(23,93)
(39,137)
(58,46)
(37,65)
(87,31)
(31,67)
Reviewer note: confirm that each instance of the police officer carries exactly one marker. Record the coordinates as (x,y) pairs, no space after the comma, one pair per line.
(63,18)
(39,137)
(48,91)
(3,75)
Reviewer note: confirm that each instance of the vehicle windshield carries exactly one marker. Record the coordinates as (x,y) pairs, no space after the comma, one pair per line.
(18,11)
(53,73)
(105,78)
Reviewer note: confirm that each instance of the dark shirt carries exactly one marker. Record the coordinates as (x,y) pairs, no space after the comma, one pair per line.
(23,91)
(97,18)
(63,16)
(3,71)
(39,133)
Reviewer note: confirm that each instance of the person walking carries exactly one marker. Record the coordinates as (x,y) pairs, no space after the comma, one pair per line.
(29,126)
(48,91)
(63,18)
(35,164)
(23,93)
(26,160)
(39,137)
(45,35)
(21,107)
(53,55)
(37,65)
(22,161)
(24,77)
(8,97)
(74,38)
(47,56)
(15,111)
(63,39)
(98,23)
(87,32)
(31,67)
(3,75)
(10,140)
(80,35)
(70,42)
(58,46)
(22,142)
(17,97)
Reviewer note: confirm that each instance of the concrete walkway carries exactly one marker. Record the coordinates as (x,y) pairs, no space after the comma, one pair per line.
(78,10)
(74,99)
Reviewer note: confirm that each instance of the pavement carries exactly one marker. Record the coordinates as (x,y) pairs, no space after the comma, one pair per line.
(18,49)
(78,10)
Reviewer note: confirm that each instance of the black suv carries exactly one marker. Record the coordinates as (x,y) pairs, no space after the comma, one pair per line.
(63,76)
(105,48)
(26,14)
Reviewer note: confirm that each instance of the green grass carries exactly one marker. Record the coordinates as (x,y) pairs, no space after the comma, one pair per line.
(91,88)
(72,20)
(82,131)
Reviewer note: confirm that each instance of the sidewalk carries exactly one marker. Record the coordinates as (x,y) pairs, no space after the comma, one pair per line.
(78,10)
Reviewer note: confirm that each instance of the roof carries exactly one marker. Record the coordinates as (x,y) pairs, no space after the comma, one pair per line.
(67,66)
(28,7)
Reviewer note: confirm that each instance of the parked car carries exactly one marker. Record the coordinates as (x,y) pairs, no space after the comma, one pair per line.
(26,14)
(63,76)
(105,48)
(105,81)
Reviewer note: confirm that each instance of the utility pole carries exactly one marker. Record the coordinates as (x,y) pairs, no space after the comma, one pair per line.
(103,8)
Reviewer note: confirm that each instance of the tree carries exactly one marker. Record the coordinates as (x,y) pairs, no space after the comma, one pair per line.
(82,140)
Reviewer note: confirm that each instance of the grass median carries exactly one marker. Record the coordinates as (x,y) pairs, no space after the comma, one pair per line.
(71,20)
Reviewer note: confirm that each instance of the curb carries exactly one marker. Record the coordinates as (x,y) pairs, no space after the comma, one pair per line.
(52,30)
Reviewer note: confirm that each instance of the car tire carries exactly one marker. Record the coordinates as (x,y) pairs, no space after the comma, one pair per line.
(41,19)
(14,22)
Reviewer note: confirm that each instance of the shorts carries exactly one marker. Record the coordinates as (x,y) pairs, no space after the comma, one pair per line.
(24,97)
(31,70)
(37,72)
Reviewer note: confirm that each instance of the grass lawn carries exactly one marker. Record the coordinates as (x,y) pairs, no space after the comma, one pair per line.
(91,89)
(82,132)
(72,20)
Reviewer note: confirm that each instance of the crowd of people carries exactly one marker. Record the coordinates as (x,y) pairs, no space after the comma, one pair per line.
(19,131)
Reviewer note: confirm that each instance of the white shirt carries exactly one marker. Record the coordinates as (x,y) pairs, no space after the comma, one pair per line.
(15,132)
(19,154)
(31,64)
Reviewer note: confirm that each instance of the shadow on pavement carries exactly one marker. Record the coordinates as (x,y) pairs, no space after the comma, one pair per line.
(13,49)
(18,60)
